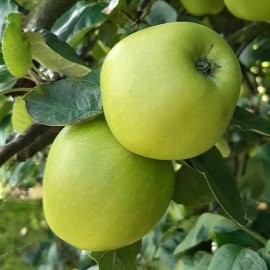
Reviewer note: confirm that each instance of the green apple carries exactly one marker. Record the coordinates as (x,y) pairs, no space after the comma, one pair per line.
(203,7)
(20,118)
(96,194)
(169,91)
(250,10)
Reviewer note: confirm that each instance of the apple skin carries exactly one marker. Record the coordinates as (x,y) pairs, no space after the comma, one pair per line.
(203,7)
(99,196)
(250,10)
(157,103)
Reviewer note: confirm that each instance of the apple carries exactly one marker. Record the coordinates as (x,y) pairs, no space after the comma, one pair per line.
(20,118)
(250,10)
(96,194)
(203,7)
(169,91)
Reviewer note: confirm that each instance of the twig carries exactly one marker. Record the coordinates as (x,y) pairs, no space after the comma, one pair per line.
(20,142)
(34,76)
(141,13)
(39,143)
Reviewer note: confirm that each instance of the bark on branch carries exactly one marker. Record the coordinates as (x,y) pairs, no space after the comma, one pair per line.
(20,142)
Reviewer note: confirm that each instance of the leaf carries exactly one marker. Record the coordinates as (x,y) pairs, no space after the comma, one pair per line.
(254,179)
(199,261)
(2,62)
(161,12)
(64,102)
(257,50)
(57,55)
(112,5)
(217,228)
(234,257)
(79,20)
(217,174)
(250,121)
(158,265)
(5,107)
(15,46)
(223,147)
(191,188)
(14,90)
(119,259)
(93,76)
(6,7)
(20,119)
(265,254)
(7,80)
(263,154)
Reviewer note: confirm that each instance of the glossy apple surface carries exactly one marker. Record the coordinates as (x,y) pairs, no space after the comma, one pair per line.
(99,196)
(169,91)
(203,7)
(250,10)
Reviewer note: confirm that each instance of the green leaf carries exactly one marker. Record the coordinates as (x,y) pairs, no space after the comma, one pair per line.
(265,254)
(119,259)
(199,261)
(2,62)
(112,5)
(263,154)
(191,188)
(57,55)
(7,80)
(234,257)
(157,265)
(20,118)
(93,76)
(250,121)
(79,20)
(257,50)
(14,90)
(6,7)
(15,46)
(5,107)
(219,178)
(254,179)
(220,229)
(161,12)
(64,102)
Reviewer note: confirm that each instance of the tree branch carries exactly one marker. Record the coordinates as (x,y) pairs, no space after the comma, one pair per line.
(39,143)
(20,142)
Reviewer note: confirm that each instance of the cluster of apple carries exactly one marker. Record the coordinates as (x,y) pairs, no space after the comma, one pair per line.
(244,9)
(168,93)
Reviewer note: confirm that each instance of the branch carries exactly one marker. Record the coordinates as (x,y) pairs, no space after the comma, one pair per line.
(48,12)
(20,142)
(39,143)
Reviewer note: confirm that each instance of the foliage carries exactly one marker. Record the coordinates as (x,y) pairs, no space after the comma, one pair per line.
(57,73)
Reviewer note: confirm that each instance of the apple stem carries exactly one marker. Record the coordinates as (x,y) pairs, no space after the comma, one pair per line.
(206,67)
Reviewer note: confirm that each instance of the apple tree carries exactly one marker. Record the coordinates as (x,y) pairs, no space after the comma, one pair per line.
(145,124)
